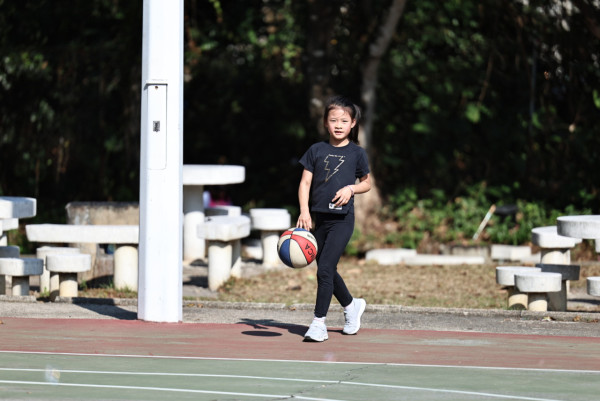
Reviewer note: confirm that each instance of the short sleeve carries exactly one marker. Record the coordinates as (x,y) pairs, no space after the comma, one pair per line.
(308,159)
(362,164)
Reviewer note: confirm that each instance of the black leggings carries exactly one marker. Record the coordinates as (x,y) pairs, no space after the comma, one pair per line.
(332,231)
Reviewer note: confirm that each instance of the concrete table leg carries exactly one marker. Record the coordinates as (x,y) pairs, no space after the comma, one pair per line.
(555,256)
(126,267)
(193,211)
(54,285)
(7,252)
(219,263)
(516,299)
(538,302)
(68,286)
(557,301)
(269,241)
(20,285)
(236,258)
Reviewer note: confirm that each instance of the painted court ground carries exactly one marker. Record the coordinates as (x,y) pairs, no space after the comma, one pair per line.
(125,359)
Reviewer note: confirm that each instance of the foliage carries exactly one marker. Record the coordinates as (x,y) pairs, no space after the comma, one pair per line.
(470,92)
(442,219)
(69,101)
(491,92)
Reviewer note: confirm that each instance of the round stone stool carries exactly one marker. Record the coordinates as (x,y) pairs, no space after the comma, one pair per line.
(20,269)
(44,251)
(66,266)
(555,249)
(593,286)
(222,234)
(537,285)
(557,301)
(270,223)
(505,276)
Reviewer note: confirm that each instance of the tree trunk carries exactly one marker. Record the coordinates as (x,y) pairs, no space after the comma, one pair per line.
(321,23)
(367,205)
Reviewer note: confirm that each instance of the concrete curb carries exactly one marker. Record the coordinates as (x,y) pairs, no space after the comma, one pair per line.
(373,308)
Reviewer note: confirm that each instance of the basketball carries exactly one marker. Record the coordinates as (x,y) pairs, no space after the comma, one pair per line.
(297,247)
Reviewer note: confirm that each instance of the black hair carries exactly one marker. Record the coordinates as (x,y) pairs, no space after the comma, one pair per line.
(352,109)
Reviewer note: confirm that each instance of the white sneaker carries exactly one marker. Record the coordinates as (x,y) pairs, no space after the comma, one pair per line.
(353,317)
(317,331)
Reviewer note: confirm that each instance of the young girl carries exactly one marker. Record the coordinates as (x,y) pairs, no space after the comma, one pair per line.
(329,179)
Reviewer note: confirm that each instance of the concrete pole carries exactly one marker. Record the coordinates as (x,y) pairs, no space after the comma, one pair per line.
(161,225)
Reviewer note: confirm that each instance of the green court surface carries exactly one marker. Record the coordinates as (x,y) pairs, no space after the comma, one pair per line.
(55,376)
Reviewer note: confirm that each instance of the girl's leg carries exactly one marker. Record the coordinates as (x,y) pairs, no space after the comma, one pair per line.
(332,233)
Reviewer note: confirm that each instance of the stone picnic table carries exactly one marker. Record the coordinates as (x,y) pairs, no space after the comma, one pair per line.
(13,208)
(16,207)
(582,226)
(195,177)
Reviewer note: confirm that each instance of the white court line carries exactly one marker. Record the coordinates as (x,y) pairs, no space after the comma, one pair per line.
(175,390)
(120,373)
(200,358)
(387,386)
(479,394)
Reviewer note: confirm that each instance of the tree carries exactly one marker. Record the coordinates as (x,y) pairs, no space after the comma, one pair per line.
(340,31)
(368,205)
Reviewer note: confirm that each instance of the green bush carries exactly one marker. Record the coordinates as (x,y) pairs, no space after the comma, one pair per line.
(444,219)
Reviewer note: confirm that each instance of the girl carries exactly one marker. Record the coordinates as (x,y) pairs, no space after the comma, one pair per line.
(331,169)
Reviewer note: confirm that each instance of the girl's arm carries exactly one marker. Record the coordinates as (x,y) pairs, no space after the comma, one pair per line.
(343,195)
(304,220)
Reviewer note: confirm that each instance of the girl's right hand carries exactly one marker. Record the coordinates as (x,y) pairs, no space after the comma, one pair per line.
(304,221)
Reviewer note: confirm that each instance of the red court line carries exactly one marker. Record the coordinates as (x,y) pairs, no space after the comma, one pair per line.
(254,341)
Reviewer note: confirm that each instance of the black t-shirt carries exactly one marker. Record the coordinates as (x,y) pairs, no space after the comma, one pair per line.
(333,168)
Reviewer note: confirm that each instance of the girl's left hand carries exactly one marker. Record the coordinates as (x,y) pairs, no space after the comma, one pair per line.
(342,196)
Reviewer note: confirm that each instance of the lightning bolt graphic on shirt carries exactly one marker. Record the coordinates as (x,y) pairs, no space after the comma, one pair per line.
(337,161)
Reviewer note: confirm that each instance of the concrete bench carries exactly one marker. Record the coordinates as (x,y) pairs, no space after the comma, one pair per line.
(537,285)
(100,213)
(7,252)
(505,276)
(66,267)
(555,249)
(271,223)
(593,286)
(557,301)
(46,281)
(511,253)
(20,269)
(222,234)
(392,256)
(126,237)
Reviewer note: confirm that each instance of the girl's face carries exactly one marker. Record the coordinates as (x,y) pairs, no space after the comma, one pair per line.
(339,123)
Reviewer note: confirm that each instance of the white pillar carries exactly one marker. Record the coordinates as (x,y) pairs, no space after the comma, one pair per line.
(160,247)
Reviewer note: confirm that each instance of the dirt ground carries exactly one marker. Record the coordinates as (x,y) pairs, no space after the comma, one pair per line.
(466,286)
